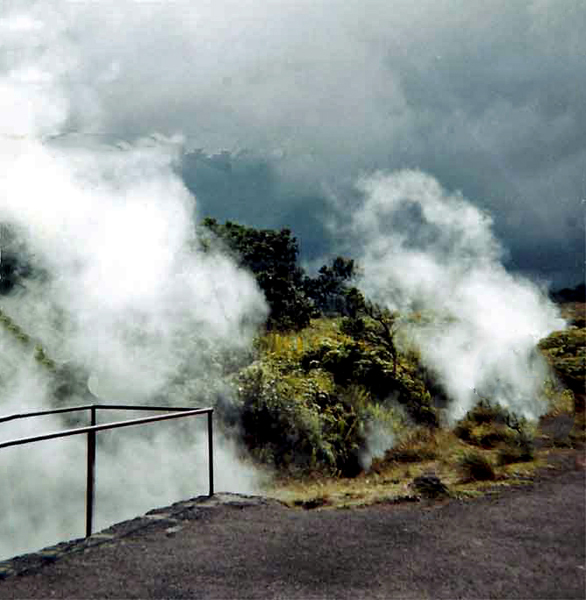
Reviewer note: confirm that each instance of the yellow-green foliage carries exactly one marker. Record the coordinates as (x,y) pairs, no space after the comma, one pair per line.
(566,352)
(43,359)
(313,397)
(388,416)
(487,426)
(8,324)
(281,418)
(289,347)
(567,343)
(364,362)
(475,466)
(559,399)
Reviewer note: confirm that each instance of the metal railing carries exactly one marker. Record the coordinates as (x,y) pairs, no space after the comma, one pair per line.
(93,428)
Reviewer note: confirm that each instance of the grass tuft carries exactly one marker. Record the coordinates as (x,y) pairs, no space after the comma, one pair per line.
(474,466)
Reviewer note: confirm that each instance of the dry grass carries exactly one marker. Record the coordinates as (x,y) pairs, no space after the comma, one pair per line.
(292,345)
(390,479)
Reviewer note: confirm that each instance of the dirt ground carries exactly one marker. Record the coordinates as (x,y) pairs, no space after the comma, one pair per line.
(526,542)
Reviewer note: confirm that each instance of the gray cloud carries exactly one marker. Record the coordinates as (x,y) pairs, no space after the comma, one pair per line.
(485,96)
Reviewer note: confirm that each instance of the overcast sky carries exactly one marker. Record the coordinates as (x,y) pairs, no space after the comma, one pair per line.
(283,105)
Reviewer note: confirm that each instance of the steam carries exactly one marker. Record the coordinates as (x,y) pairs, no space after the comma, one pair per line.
(379,439)
(427,250)
(123,295)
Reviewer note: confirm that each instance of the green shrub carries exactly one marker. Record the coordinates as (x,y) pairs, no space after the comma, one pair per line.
(279,425)
(297,421)
(515,454)
(485,412)
(474,466)
(566,353)
(317,399)
(361,364)
(410,455)
(488,426)
(463,430)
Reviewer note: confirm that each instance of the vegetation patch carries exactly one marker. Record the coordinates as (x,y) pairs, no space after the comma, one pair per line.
(475,466)
(416,445)
(516,454)
(487,426)
(316,399)
(566,353)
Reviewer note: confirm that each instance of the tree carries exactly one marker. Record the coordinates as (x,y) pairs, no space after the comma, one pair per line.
(294,297)
(330,290)
(370,322)
(271,255)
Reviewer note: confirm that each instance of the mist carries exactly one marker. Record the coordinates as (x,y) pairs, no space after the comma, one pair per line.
(123,296)
(126,297)
(431,252)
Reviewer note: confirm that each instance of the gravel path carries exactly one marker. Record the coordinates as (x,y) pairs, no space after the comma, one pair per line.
(519,543)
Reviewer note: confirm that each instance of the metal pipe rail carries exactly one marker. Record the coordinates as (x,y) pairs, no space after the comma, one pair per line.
(178,413)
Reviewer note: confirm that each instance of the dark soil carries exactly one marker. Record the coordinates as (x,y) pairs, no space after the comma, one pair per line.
(525,542)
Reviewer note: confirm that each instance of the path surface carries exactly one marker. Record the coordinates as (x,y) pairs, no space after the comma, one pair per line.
(522,543)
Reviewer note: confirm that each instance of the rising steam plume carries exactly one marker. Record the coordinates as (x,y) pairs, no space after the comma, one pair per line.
(425,249)
(123,295)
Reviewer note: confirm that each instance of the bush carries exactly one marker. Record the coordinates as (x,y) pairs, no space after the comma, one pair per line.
(463,430)
(319,400)
(485,412)
(372,367)
(410,455)
(566,353)
(279,426)
(418,445)
(299,422)
(488,426)
(515,454)
(474,466)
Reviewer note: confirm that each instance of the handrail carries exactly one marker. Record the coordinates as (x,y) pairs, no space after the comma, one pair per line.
(54,411)
(113,425)
(179,412)
(41,413)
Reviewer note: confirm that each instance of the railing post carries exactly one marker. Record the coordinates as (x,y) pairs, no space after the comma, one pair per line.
(91,475)
(211,451)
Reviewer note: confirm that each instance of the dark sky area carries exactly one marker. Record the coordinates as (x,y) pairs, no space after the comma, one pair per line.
(284,105)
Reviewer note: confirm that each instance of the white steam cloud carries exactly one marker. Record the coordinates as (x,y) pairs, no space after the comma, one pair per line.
(124,294)
(424,249)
